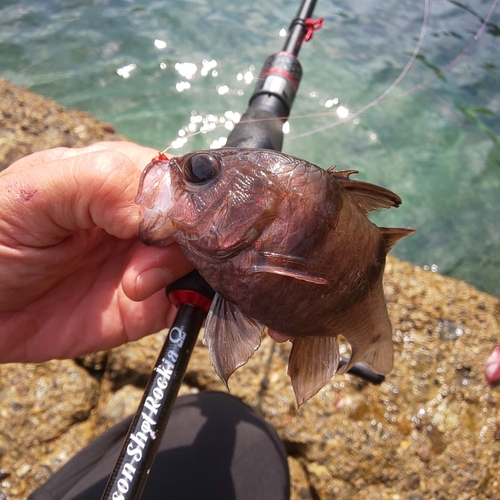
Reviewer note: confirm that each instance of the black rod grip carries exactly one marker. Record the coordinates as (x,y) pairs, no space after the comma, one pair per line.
(131,472)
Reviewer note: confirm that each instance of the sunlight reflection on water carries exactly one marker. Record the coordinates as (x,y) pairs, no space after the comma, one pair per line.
(162,73)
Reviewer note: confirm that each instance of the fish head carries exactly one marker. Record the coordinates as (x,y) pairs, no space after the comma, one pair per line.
(218,201)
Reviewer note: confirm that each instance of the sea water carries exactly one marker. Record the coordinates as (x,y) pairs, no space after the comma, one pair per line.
(161,70)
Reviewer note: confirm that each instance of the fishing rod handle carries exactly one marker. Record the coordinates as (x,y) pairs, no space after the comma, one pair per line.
(280,76)
(129,477)
(277,84)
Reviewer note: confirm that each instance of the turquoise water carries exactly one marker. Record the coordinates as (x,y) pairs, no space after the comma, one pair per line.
(434,140)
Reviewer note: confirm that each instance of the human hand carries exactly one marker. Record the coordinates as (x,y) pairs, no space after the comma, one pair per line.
(74,276)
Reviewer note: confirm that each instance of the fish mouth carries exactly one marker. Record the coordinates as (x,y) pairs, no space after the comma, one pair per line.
(158,232)
(155,188)
(155,197)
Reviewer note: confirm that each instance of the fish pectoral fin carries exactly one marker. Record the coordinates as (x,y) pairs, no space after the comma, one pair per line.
(286,265)
(312,363)
(367,196)
(230,336)
(392,235)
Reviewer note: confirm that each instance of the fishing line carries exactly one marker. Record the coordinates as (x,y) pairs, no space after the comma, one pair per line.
(364,108)
(486,20)
(454,61)
(391,87)
(396,82)
(421,85)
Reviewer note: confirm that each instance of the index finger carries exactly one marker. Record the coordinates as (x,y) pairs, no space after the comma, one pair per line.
(140,155)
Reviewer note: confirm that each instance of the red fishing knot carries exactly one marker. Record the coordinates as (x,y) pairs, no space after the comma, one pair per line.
(312,25)
(160,157)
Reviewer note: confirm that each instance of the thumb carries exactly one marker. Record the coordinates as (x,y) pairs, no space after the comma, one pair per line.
(46,203)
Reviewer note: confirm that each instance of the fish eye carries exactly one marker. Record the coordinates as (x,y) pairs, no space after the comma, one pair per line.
(201,168)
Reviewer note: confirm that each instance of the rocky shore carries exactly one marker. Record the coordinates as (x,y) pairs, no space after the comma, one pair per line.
(430,431)
(30,122)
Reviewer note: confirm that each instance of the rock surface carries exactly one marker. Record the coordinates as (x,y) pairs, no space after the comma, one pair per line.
(430,431)
(30,123)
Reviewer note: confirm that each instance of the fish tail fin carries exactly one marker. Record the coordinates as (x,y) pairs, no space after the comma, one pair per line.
(379,357)
(370,336)
(230,336)
(312,363)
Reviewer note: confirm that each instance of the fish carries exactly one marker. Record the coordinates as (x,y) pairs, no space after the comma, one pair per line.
(287,246)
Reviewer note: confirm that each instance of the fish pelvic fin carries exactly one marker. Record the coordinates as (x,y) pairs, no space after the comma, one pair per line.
(312,363)
(392,235)
(230,336)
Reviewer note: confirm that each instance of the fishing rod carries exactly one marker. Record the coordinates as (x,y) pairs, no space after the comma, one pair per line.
(268,108)
(261,126)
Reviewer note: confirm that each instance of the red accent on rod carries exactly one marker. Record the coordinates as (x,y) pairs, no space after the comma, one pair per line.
(189,297)
(281,72)
(312,25)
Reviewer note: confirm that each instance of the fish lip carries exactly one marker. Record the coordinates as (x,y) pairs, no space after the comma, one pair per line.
(155,187)
(155,197)
(156,232)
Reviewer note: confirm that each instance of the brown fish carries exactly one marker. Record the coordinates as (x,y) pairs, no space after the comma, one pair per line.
(285,245)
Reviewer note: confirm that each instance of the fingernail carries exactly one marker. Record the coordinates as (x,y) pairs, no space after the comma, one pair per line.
(150,281)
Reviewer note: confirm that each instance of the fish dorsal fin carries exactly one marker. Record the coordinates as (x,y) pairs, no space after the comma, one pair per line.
(312,363)
(231,337)
(392,235)
(341,174)
(367,196)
